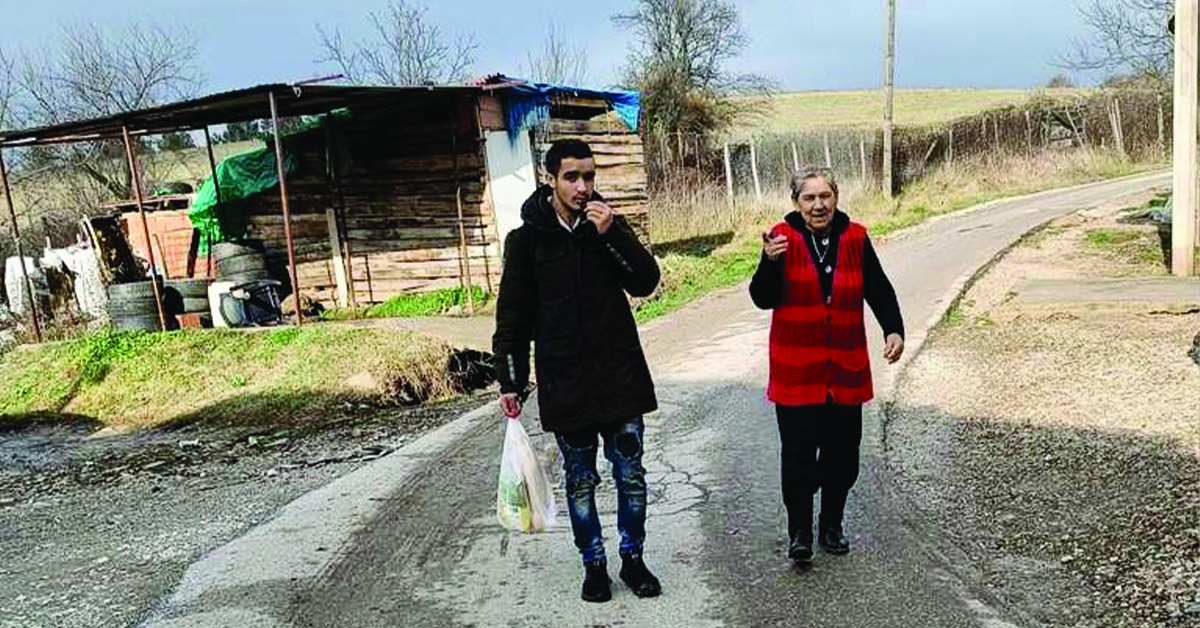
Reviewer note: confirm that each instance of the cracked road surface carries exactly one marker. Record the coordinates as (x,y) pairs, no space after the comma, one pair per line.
(412,539)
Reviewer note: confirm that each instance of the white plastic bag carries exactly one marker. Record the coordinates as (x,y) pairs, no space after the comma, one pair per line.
(524,496)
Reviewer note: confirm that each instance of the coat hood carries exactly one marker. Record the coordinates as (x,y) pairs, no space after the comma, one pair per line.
(539,213)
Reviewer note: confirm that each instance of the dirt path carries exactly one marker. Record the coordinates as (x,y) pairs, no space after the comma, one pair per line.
(1059,427)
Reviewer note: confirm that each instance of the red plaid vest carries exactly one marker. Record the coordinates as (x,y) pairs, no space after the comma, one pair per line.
(819,348)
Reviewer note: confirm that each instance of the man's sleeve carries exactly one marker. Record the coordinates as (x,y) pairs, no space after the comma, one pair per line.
(880,295)
(639,271)
(516,311)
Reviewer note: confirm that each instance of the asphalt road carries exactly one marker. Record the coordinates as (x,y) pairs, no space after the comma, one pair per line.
(412,540)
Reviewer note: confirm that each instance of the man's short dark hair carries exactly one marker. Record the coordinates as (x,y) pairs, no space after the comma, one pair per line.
(560,149)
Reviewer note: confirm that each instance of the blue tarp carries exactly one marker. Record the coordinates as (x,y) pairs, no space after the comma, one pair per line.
(528,105)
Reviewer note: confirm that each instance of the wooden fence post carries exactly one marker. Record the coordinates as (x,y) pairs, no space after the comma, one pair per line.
(1162,145)
(862,158)
(728,176)
(1120,127)
(950,146)
(1114,123)
(795,158)
(754,171)
(828,158)
(996,132)
(1028,133)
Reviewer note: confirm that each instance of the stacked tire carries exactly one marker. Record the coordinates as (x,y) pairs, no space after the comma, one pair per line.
(131,306)
(248,260)
(241,261)
(189,296)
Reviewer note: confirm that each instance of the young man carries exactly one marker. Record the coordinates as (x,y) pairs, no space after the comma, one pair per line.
(567,270)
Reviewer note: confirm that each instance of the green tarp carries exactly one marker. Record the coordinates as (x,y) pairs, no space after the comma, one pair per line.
(239,177)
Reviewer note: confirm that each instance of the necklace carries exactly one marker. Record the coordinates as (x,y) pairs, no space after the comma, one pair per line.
(821,254)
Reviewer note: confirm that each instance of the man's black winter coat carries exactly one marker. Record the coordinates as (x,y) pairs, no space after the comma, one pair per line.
(565,291)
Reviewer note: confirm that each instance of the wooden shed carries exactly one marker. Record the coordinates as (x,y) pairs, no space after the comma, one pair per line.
(418,192)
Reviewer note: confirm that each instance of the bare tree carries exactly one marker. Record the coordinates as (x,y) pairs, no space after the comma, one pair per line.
(99,73)
(679,61)
(8,90)
(1128,36)
(406,49)
(557,62)
(93,73)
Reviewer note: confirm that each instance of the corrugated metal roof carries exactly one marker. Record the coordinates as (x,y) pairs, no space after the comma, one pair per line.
(234,106)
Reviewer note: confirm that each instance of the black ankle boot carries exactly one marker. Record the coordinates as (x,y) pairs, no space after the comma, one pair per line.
(800,529)
(639,579)
(800,550)
(832,539)
(596,584)
(829,526)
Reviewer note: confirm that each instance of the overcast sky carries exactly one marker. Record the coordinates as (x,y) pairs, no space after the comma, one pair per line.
(802,44)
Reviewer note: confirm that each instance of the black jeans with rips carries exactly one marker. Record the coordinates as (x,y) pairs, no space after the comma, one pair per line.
(819,451)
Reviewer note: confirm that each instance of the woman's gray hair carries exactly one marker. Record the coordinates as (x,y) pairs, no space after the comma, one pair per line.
(812,172)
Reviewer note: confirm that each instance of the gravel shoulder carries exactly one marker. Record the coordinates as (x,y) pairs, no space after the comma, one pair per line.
(95,529)
(1056,440)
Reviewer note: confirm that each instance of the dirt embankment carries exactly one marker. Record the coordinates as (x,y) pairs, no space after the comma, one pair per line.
(1057,406)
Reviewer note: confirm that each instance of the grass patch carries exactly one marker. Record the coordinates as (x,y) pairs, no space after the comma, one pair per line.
(215,376)
(955,316)
(432,303)
(1108,239)
(1132,246)
(686,278)
(45,378)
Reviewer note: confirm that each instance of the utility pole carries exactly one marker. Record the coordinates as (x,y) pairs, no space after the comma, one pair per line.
(1186,198)
(889,71)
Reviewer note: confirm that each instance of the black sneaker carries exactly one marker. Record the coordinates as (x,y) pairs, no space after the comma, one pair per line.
(832,540)
(639,579)
(800,550)
(596,584)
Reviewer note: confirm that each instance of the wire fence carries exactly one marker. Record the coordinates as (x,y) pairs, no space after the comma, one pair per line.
(1134,124)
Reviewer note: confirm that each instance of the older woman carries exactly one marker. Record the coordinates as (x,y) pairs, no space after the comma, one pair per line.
(816,270)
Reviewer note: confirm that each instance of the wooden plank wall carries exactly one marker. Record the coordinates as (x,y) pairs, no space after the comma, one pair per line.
(398,210)
(620,164)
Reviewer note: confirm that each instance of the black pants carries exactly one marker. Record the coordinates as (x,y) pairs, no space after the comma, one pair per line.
(820,451)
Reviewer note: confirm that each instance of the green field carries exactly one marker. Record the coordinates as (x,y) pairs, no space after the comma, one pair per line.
(863,109)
